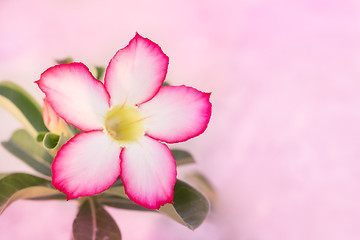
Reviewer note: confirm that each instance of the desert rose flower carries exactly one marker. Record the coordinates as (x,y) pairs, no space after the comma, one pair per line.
(125,123)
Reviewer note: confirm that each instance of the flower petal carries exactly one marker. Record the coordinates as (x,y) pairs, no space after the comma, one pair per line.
(86,165)
(176,114)
(136,72)
(148,172)
(75,95)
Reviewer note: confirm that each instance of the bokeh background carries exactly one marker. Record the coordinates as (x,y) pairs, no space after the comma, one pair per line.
(282,148)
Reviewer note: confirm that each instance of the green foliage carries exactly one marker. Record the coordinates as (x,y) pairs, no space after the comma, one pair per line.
(204,185)
(24,146)
(93,222)
(2,175)
(116,197)
(40,137)
(100,73)
(22,186)
(23,106)
(182,157)
(190,207)
(165,84)
(65,60)
(52,142)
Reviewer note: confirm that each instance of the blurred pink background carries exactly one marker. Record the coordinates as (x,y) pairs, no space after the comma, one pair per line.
(282,148)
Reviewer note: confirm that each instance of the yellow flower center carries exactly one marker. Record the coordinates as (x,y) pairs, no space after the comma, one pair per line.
(124,124)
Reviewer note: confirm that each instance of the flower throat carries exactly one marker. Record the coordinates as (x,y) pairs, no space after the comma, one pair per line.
(124,123)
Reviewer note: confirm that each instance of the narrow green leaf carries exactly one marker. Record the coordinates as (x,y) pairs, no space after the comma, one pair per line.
(25,147)
(182,157)
(116,197)
(40,137)
(190,207)
(53,142)
(120,202)
(93,222)
(73,129)
(22,186)
(55,196)
(23,106)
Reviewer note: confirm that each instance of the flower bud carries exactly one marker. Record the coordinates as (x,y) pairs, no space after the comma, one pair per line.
(53,122)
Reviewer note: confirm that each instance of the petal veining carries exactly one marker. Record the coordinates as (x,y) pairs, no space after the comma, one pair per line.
(176,114)
(75,95)
(86,165)
(148,172)
(136,72)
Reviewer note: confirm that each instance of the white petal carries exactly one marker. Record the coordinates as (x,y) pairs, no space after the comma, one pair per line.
(75,95)
(148,172)
(136,72)
(176,114)
(86,165)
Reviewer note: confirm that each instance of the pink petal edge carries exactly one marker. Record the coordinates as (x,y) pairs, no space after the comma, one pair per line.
(136,72)
(86,165)
(75,95)
(148,172)
(176,114)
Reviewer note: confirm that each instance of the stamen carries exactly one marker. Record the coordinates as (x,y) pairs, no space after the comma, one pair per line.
(124,123)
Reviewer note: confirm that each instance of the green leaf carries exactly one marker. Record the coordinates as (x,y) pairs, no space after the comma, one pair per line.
(204,185)
(182,157)
(93,222)
(65,60)
(25,147)
(40,137)
(2,175)
(23,106)
(73,129)
(190,207)
(165,84)
(22,186)
(118,182)
(100,71)
(56,196)
(120,201)
(51,140)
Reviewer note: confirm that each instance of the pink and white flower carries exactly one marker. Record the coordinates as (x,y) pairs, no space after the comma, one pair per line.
(124,122)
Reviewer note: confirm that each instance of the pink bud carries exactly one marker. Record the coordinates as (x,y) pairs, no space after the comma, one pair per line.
(52,121)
